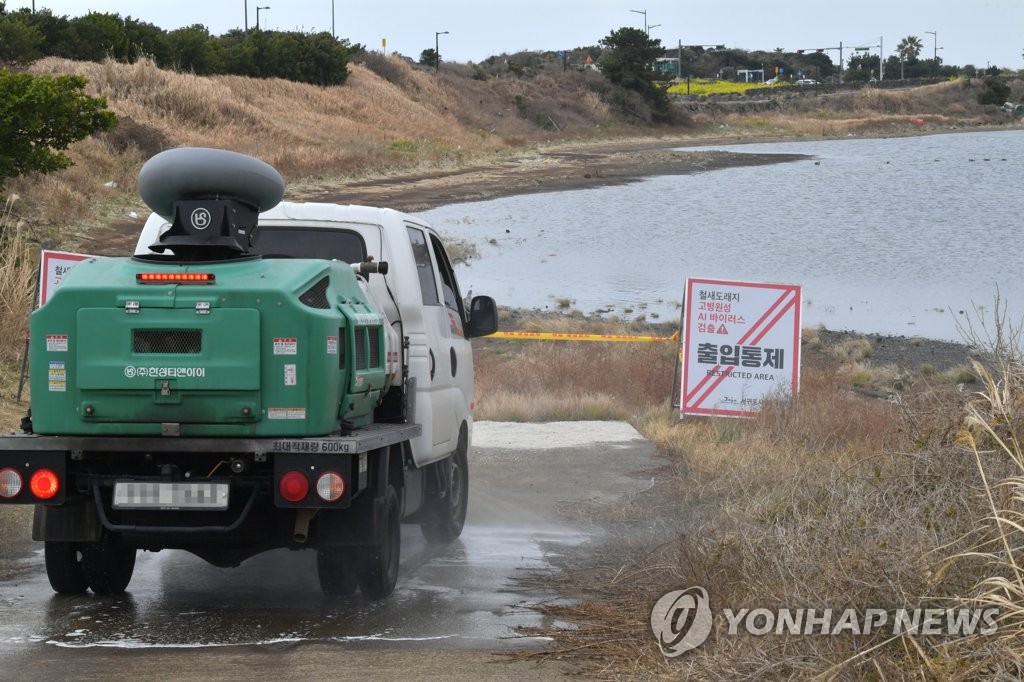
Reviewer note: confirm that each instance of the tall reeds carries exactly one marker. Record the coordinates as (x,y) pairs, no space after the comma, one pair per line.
(18,273)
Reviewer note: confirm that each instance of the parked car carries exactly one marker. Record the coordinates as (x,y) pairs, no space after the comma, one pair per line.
(807,81)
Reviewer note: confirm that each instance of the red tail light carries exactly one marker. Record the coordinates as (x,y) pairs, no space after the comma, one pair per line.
(10,483)
(44,484)
(175,278)
(294,486)
(330,486)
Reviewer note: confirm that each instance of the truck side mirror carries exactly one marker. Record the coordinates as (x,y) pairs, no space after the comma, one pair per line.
(483,316)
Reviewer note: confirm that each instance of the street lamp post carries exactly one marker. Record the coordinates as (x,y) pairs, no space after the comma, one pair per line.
(258,10)
(881,59)
(643,12)
(935,50)
(246,24)
(437,49)
(333,34)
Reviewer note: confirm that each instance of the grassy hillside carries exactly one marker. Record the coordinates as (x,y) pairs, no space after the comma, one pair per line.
(375,124)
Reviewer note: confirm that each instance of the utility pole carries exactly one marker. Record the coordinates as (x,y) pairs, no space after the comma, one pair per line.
(246,31)
(881,60)
(437,49)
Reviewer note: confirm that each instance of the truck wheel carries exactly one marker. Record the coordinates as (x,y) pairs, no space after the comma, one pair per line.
(108,564)
(378,566)
(334,568)
(445,510)
(64,567)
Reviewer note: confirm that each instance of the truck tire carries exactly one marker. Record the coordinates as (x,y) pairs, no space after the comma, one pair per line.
(336,571)
(108,564)
(445,510)
(377,567)
(64,567)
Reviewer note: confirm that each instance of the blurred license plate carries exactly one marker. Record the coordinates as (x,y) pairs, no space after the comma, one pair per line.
(135,495)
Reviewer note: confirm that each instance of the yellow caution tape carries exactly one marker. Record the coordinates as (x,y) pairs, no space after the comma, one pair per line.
(556,336)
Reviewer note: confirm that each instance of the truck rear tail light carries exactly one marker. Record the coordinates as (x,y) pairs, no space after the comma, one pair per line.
(294,486)
(330,486)
(175,278)
(44,484)
(10,483)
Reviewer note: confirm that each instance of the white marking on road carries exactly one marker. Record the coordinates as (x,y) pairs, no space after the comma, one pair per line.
(550,435)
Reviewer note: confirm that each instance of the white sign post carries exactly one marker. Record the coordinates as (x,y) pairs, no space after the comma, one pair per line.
(741,343)
(52,267)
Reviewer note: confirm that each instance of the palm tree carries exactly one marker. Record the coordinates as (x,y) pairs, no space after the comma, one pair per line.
(909,48)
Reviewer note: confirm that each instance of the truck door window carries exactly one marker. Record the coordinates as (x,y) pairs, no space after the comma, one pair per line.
(424,266)
(449,285)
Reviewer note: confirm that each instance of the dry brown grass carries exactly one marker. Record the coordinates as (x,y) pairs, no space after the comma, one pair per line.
(371,126)
(558,381)
(833,500)
(992,432)
(875,111)
(300,129)
(18,268)
(18,271)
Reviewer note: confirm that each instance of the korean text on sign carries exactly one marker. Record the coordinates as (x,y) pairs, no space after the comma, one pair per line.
(741,343)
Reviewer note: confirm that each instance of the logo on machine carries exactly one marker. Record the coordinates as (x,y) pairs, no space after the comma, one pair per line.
(201,218)
(131,372)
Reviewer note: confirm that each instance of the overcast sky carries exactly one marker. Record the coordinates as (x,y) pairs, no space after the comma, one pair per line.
(979,32)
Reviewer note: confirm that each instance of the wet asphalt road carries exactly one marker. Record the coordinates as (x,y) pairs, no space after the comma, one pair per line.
(455,606)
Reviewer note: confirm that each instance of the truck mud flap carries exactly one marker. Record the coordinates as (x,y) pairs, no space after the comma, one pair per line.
(75,521)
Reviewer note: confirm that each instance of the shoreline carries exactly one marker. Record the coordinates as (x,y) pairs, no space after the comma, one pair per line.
(556,167)
(566,166)
(552,170)
(549,169)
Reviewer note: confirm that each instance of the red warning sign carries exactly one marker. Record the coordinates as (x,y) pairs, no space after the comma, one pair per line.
(53,265)
(741,344)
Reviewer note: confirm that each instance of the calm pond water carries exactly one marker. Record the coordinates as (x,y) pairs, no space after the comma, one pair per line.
(885,235)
